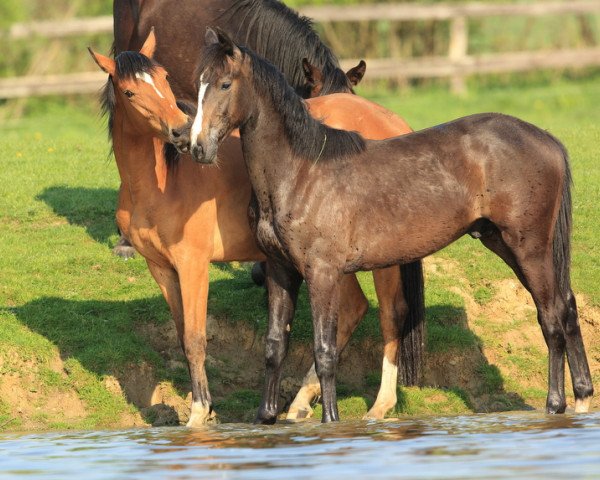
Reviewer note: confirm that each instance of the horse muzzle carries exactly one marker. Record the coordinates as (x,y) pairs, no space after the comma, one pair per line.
(202,155)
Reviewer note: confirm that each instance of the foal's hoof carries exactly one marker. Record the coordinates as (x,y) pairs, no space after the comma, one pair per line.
(265,418)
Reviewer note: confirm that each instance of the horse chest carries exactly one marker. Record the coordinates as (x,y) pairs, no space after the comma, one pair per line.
(147,240)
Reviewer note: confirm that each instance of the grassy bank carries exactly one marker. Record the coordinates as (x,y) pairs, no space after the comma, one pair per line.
(79,324)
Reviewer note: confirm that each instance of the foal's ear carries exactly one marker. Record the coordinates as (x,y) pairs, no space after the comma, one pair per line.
(149,45)
(222,37)
(355,74)
(105,63)
(210,37)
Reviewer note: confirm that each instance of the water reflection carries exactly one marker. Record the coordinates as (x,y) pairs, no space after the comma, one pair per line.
(499,446)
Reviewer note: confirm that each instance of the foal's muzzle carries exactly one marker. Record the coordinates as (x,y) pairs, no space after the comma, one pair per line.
(204,155)
(180,138)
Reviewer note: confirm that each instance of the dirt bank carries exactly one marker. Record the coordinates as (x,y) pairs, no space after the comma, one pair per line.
(506,369)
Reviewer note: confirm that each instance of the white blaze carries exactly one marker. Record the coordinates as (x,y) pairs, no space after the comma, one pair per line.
(148,79)
(197,125)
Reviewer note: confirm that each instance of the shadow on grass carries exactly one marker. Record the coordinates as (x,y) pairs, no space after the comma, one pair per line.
(91,208)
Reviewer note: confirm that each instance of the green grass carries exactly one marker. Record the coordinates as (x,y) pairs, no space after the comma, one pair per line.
(63,293)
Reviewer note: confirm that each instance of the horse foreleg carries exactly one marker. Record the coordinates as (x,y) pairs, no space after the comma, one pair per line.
(323,283)
(194,293)
(283,284)
(353,307)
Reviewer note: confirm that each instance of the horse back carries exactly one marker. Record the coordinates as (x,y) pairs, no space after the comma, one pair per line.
(352,112)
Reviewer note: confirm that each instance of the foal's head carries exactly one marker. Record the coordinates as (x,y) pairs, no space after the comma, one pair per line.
(140,86)
(223,100)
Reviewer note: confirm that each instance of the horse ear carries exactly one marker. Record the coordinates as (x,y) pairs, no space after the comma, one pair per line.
(105,63)
(314,78)
(210,37)
(355,74)
(307,69)
(149,45)
(227,43)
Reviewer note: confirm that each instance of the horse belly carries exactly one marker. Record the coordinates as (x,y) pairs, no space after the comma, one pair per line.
(407,241)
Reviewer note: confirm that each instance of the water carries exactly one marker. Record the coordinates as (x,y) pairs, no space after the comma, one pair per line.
(516,445)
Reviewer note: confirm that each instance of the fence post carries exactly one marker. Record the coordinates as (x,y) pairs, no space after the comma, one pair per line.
(459,41)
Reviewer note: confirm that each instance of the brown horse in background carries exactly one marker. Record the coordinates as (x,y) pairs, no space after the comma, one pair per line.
(327,203)
(267,26)
(284,38)
(182,217)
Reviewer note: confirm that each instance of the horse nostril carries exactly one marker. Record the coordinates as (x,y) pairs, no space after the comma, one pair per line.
(175,133)
(197,151)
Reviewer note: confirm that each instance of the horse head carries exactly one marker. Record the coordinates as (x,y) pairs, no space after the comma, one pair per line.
(222,105)
(140,86)
(314,77)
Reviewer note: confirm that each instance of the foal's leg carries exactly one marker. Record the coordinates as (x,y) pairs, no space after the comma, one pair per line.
(353,307)
(566,312)
(535,264)
(283,284)
(323,283)
(583,388)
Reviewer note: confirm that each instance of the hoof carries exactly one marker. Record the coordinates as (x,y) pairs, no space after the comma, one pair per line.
(374,414)
(583,405)
(201,418)
(264,417)
(300,413)
(124,251)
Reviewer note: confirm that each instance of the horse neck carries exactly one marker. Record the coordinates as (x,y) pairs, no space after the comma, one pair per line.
(139,157)
(261,136)
(275,32)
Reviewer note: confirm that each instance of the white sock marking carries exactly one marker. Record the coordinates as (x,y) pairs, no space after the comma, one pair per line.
(197,125)
(148,79)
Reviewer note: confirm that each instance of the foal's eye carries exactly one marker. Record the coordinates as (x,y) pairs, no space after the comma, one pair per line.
(128,93)
(225,86)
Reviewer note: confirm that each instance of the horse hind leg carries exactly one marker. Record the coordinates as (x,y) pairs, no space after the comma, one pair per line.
(578,365)
(532,262)
(392,313)
(557,315)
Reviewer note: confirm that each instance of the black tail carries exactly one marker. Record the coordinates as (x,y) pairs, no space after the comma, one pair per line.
(562,233)
(411,358)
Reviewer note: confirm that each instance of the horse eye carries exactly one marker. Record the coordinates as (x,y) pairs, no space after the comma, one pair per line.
(226,86)
(128,93)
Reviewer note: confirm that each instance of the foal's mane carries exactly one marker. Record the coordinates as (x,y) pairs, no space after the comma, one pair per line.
(306,136)
(285,37)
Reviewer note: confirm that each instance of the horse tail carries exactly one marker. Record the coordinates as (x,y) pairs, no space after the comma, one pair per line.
(126,15)
(412,346)
(561,245)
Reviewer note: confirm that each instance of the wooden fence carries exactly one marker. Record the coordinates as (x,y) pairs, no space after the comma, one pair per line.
(457,64)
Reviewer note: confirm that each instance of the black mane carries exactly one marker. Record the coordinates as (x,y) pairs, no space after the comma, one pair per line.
(306,136)
(277,32)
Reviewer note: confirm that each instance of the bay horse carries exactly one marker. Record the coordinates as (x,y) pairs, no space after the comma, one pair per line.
(269,27)
(285,38)
(183,216)
(327,202)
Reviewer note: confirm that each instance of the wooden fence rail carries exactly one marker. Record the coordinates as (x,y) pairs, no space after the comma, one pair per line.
(457,65)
